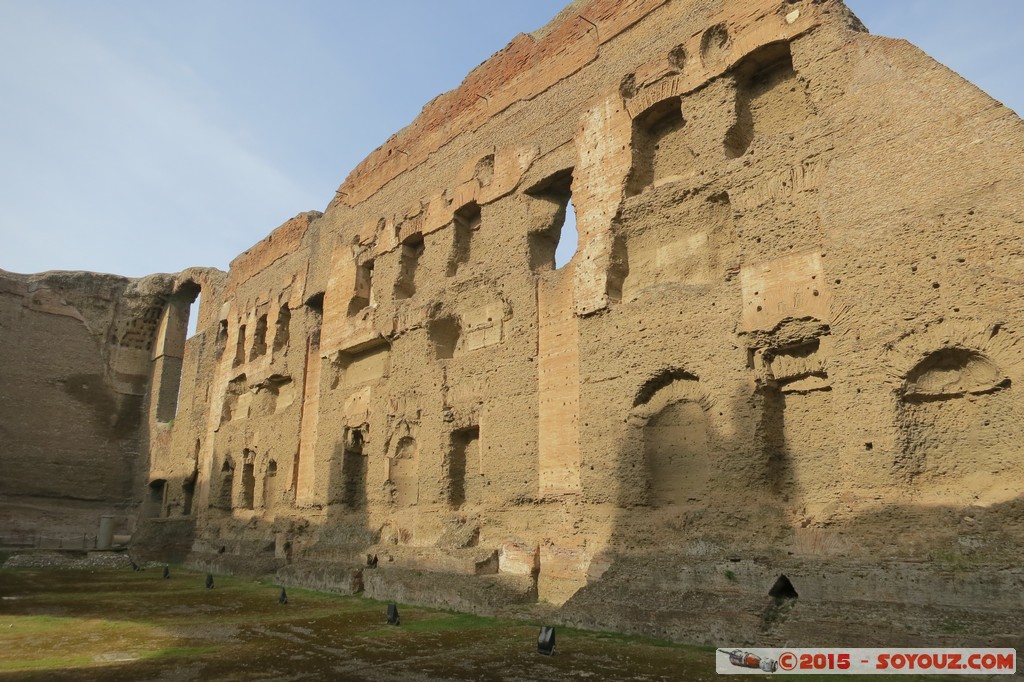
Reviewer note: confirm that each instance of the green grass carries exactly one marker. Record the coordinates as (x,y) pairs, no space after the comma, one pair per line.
(124,625)
(46,663)
(183,652)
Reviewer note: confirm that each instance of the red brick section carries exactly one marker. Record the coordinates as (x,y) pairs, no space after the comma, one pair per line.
(284,240)
(522,70)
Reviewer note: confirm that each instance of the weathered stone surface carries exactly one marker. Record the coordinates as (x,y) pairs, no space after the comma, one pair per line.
(76,358)
(789,343)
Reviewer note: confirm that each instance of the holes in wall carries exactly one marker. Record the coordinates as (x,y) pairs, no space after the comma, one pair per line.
(444,334)
(627,86)
(783,589)
(660,152)
(677,58)
(770,100)
(248,485)
(404,472)
(270,484)
(227,481)
(234,407)
(156,498)
(259,338)
(556,242)
(353,468)
(315,317)
(139,332)
(618,269)
(783,599)
(239,347)
(282,328)
(466,223)
(185,303)
(463,461)
(222,337)
(714,44)
(484,171)
(363,296)
(188,493)
(568,238)
(408,262)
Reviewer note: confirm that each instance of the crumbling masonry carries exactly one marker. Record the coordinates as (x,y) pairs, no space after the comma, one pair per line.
(789,343)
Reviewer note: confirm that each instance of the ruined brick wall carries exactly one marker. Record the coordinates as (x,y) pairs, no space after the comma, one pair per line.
(74,371)
(788,344)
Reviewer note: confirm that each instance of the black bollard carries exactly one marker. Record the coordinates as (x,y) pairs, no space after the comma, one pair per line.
(167,572)
(283,599)
(393,618)
(209,581)
(546,641)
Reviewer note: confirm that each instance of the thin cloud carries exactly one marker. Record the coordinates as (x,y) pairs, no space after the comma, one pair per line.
(140,148)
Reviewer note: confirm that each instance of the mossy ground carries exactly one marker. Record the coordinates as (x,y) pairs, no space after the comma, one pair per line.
(125,625)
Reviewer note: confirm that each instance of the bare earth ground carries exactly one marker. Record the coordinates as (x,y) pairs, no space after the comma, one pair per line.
(116,624)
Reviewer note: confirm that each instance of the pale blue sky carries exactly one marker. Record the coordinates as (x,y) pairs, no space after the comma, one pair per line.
(140,137)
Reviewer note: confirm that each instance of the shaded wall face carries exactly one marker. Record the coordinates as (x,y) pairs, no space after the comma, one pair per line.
(74,372)
(58,414)
(676,455)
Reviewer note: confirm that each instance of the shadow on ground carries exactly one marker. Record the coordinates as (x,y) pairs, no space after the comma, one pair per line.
(127,625)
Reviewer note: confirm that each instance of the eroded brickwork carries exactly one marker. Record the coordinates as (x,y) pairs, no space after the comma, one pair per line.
(788,344)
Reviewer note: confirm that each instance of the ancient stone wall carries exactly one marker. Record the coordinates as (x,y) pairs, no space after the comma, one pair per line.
(76,351)
(773,397)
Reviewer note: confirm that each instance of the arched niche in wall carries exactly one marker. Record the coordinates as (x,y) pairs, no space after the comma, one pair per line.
(410,252)
(282,327)
(660,150)
(403,471)
(463,467)
(270,485)
(953,373)
(771,103)
(349,480)
(259,337)
(188,490)
(670,415)
(156,499)
(314,313)
(795,431)
(226,482)
(960,428)
(248,479)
